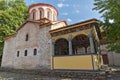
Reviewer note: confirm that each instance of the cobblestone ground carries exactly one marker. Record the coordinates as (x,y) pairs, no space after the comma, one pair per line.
(18,76)
(27,76)
(113,76)
(13,74)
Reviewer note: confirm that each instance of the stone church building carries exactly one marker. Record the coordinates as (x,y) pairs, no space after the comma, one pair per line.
(43,42)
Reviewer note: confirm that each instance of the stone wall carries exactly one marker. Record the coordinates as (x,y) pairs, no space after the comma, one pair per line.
(30,61)
(7,58)
(53,74)
(45,47)
(38,38)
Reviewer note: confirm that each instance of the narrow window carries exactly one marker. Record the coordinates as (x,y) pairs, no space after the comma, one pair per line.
(18,53)
(26,38)
(25,53)
(48,15)
(33,15)
(35,51)
(40,14)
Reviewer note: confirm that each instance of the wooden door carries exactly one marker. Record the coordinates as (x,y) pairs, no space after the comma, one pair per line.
(105,59)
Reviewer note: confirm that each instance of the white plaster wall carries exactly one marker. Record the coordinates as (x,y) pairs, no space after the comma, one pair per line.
(113,58)
(116,59)
(103,49)
(58,25)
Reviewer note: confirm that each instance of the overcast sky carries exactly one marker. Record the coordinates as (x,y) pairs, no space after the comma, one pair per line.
(72,11)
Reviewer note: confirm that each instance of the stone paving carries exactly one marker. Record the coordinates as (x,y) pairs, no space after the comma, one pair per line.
(56,75)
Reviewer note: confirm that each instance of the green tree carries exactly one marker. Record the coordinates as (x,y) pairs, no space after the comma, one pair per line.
(2,5)
(12,14)
(110,10)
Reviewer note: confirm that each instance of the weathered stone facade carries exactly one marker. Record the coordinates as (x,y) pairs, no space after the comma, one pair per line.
(39,38)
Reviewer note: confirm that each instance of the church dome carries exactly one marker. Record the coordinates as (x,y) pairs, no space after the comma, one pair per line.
(41,10)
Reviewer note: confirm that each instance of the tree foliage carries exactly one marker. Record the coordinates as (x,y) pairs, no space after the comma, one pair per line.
(12,14)
(110,10)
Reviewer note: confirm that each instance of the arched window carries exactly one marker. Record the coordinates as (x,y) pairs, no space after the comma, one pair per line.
(33,15)
(41,13)
(49,13)
(26,39)
(25,54)
(35,52)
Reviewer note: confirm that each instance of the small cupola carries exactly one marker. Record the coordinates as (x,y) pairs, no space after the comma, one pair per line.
(41,11)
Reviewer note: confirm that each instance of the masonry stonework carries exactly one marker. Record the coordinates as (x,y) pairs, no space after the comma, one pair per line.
(38,38)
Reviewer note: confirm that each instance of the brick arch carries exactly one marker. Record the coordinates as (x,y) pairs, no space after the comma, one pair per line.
(41,13)
(49,13)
